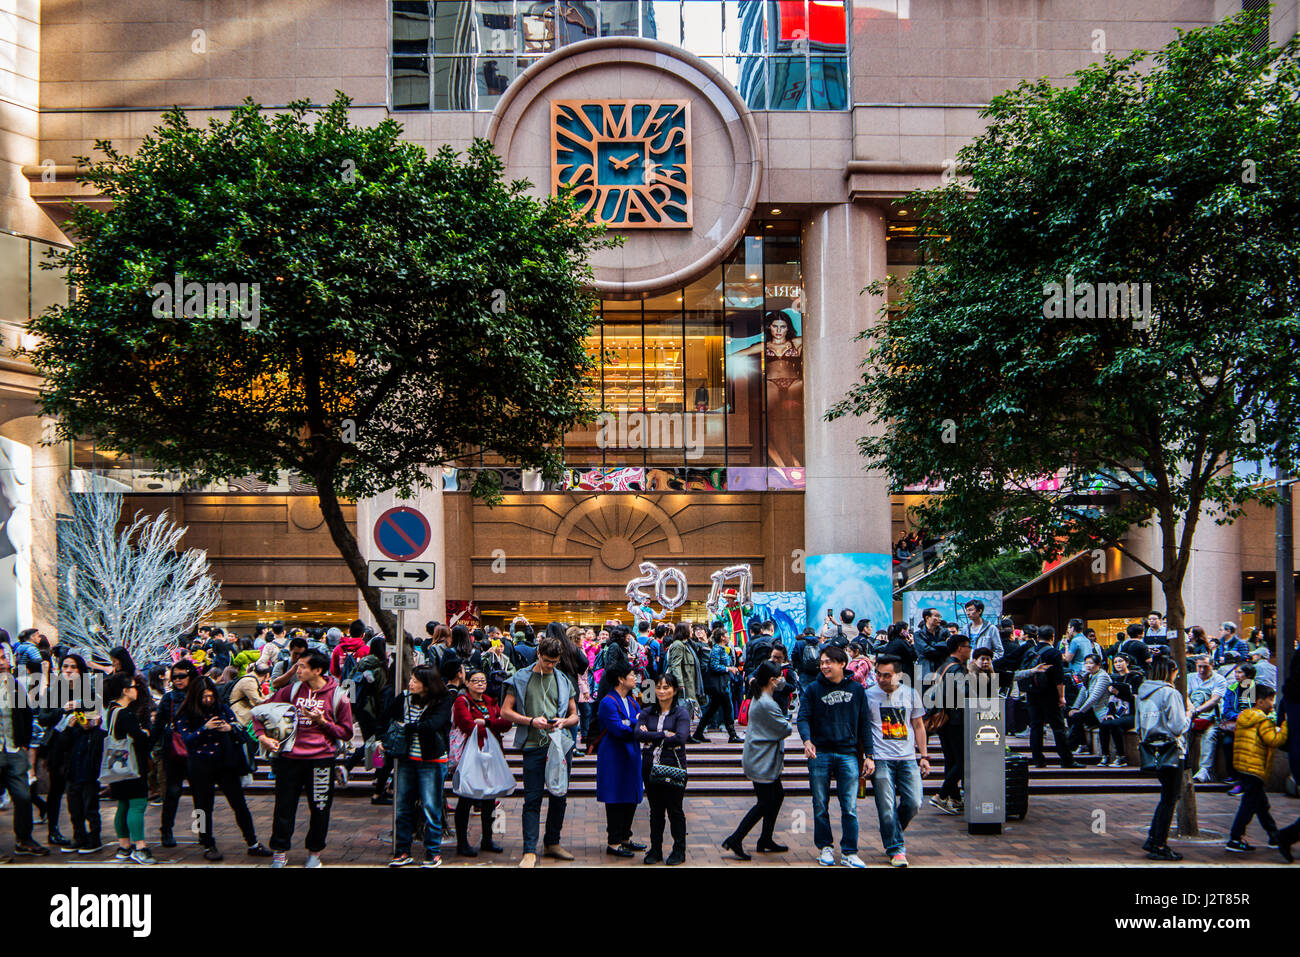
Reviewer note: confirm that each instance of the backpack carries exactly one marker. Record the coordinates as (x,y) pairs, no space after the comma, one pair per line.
(638,657)
(347,667)
(496,681)
(809,657)
(1029,661)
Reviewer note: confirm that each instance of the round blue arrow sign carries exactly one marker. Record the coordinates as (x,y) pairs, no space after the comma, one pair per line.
(402,533)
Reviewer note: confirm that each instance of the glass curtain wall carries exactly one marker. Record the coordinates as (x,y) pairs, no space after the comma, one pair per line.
(706,376)
(780,54)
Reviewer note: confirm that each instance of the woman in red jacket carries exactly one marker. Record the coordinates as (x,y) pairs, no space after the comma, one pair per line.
(476,712)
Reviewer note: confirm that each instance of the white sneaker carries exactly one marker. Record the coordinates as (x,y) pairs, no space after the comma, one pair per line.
(852,860)
(826,857)
(1201,777)
(279,859)
(313,860)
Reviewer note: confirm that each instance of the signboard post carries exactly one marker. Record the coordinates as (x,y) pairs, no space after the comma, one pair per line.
(986,761)
(401,575)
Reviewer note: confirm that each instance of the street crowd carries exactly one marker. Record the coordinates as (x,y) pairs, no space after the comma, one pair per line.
(76,731)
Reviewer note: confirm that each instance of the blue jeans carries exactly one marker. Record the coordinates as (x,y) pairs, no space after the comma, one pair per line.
(844,768)
(420,780)
(534,790)
(897,787)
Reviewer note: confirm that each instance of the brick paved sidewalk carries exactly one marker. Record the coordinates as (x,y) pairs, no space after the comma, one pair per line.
(1086,830)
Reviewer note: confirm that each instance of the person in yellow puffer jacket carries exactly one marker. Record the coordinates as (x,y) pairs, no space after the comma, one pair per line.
(1252,755)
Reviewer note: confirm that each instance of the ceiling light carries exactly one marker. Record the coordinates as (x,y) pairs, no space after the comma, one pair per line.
(902,212)
(776,212)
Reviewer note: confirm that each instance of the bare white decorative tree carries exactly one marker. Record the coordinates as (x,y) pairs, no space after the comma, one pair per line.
(132,588)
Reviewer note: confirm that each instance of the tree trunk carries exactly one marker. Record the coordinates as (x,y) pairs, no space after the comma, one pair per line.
(1175,612)
(346,543)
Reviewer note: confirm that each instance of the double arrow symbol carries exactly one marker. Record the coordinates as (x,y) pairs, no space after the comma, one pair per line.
(419,575)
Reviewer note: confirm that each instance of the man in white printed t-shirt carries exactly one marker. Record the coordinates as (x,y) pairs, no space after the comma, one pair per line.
(898,732)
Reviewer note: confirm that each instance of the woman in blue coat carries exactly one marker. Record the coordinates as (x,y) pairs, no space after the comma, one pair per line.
(618,759)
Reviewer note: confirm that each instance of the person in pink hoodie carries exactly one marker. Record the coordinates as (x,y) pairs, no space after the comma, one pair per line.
(353,645)
(324,720)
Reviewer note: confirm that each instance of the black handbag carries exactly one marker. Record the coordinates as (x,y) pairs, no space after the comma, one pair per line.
(672,775)
(396,741)
(1158,751)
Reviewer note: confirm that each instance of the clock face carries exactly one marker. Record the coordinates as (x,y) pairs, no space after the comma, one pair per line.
(627,161)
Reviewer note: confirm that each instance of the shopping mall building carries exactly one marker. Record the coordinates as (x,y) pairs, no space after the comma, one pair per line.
(753,155)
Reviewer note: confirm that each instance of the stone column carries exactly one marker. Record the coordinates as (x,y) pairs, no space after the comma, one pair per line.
(39,495)
(846,508)
(433,603)
(1212,588)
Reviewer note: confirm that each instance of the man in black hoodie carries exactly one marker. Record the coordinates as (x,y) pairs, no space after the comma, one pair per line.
(835,725)
(1046,699)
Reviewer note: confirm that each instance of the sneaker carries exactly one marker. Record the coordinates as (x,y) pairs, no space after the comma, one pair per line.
(1201,777)
(827,857)
(340,776)
(122,854)
(213,853)
(279,859)
(898,860)
(258,850)
(1119,763)
(1165,853)
(313,860)
(31,849)
(852,860)
(1237,790)
(401,860)
(155,802)
(142,855)
(92,845)
(944,805)
(958,806)
(58,840)
(435,861)
(1239,846)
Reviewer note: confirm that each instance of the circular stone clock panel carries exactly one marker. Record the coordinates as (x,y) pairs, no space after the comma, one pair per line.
(654,143)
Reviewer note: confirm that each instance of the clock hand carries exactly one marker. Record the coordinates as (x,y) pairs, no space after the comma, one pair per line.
(624,163)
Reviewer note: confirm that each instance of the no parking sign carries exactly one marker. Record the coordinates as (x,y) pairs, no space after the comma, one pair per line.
(402,533)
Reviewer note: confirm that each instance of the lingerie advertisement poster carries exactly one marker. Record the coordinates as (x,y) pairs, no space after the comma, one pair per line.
(772,354)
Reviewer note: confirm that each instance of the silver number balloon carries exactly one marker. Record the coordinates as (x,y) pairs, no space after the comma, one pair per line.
(744,577)
(636,598)
(678,597)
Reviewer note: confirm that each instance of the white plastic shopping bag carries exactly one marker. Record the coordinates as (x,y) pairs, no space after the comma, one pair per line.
(482,772)
(557,765)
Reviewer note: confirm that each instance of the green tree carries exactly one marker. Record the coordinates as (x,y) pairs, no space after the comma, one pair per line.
(1005,572)
(1182,172)
(362,311)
